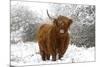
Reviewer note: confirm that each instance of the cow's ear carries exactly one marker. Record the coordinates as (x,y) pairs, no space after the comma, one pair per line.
(55,21)
(70,21)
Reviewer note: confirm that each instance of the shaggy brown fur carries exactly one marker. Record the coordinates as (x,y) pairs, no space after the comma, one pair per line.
(54,38)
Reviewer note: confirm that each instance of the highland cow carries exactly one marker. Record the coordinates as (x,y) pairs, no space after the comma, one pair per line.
(53,39)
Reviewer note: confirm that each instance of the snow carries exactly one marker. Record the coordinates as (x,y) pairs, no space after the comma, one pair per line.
(28,54)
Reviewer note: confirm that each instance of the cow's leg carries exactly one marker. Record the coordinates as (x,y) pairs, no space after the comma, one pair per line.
(54,56)
(48,56)
(52,47)
(66,47)
(52,52)
(59,53)
(63,47)
(43,55)
(42,50)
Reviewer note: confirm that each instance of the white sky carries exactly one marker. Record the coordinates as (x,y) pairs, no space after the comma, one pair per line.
(89,2)
(40,8)
(30,4)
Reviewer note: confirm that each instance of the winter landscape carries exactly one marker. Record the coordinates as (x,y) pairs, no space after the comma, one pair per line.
(28,54)
(26,18)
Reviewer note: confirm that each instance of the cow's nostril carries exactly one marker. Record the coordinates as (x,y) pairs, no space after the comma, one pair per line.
(61,31)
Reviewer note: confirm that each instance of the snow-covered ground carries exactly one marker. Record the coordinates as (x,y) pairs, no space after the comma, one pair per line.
(28,54)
